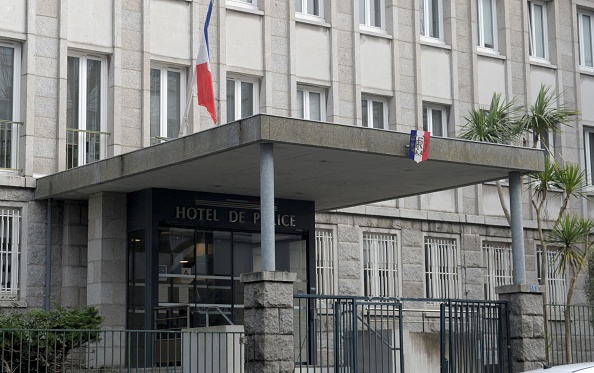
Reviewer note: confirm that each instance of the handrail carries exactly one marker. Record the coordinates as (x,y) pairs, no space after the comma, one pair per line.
(10,121)
(219,311)
(88,131)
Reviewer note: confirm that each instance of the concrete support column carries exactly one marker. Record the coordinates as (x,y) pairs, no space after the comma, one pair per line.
(517,228)
(268,321)
(526,321)
(106,272)
(267,206)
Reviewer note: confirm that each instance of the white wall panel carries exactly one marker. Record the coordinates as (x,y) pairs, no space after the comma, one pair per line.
(587,92)
(313,51)
(491,78)
(376,62)
(245,40)
(444,201)
(90,22)
(16,22)
(175,17)
(435,72)
(541,76)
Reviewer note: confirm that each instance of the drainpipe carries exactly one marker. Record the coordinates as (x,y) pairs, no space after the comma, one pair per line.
(48,256)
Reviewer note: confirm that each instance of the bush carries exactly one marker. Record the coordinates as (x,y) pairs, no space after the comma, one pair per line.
(39,341)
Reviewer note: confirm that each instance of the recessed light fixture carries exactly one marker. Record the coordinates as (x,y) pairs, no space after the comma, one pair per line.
(184,261)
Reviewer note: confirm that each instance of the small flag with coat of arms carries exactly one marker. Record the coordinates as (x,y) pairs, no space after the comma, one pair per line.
(419,145)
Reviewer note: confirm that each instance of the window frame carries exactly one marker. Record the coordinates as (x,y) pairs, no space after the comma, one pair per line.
(327,237)
(163,109)
(83,57)
(556,282)
(237,94)
(426,18)
(589,155)
(16,103)
(369,107)
(307,90)
(305,14)
(500,269)
(367,26)
(247,4)
(531,31)
(581,13)
(13,292)
(481,25)
(428,109)
(453,277)
(373,274)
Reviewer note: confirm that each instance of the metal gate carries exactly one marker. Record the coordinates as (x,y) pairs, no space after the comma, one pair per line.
(474,337)
(374,335)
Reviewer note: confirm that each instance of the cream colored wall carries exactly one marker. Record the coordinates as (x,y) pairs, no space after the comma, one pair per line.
(444,201)
(245,41)
(312,52)
(491,78)
(376,63)
(587,90)
(170,29)
(436,72)
(91,22)
(17,10)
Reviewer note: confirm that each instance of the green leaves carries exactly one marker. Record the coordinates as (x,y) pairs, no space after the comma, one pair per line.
(500,124)
(571,236)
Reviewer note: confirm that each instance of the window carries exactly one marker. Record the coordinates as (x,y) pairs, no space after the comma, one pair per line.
(585,37)
(167,102)
(486,23)
(371,13)
(374,113)
(311,103)
(242,98)
(497,259)
(324,262)
(435,121)
(10,251)
(537,21)
(546,142)
(10,63)
(86,109)
(431,14)
(589,148)
(244,3)
(556,286)
(380,265)
(441,268)
(310,8)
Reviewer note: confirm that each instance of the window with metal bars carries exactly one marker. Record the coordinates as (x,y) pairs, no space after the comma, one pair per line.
(324,262)
(380,265)
(441,268)
(10,226)
(556,285)
(497,259)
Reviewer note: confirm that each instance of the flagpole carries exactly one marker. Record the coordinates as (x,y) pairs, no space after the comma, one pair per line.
(190,96)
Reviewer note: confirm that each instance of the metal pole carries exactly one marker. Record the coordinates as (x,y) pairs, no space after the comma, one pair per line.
(267,206)
(48,257)
(517,228)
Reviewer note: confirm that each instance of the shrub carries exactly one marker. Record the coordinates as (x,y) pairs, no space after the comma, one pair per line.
(39,341)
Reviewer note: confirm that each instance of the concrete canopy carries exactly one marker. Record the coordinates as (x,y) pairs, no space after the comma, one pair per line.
(334,165)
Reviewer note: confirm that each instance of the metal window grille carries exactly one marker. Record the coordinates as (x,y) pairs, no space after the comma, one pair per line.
(380,256)
(10,225)
(441,268)
(497,258)
(556,285)
(324,262)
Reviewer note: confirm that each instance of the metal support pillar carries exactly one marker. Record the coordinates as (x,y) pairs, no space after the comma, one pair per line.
(517,228)
(267,206)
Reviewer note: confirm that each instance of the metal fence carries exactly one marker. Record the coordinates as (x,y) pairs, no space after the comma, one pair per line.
(110,351)
(571,333)
(359,334)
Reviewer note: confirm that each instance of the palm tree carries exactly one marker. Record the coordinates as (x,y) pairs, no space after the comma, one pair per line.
(499,124)
(571,235)
(547,115)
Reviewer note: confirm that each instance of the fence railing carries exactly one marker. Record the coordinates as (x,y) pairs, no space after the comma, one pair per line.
(9,144)
(83,146)
(74,351)
(574,336)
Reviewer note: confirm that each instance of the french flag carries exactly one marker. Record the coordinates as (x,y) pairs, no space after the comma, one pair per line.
(418,148)
(204,86)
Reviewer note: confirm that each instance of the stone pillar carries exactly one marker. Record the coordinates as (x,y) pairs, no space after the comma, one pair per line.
(74,254)
(106,271)
(268,321)
(526,321)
